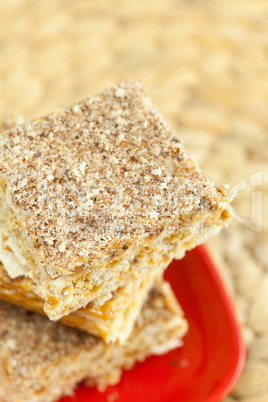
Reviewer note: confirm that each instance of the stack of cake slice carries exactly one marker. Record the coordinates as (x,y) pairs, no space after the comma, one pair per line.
(95,200)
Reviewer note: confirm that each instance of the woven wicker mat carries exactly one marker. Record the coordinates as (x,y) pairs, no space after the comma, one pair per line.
(206,65)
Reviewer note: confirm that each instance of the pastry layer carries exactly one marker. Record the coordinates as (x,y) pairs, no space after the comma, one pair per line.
(113,320)
(96,194)
(40,361)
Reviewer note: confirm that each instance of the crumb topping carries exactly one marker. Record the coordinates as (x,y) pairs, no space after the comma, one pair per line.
(99,175)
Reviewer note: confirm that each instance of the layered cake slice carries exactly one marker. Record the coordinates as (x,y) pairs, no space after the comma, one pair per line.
(40,361)
(112,320)
(97,194)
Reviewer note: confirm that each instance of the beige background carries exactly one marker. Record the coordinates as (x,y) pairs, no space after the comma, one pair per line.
(205,63)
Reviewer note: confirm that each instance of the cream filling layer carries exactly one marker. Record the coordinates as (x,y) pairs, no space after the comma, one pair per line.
(166,347)
(11,256)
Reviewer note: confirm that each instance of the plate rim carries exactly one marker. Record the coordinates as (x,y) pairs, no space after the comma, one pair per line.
(229,304)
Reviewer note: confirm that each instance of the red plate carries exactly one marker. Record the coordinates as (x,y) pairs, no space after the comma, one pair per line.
(207,367)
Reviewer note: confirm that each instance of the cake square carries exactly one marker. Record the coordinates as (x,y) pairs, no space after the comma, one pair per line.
(40,361)
(94,195)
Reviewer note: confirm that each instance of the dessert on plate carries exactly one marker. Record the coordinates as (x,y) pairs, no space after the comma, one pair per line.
(96,199)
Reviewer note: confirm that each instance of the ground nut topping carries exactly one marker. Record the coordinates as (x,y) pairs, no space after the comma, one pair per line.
(99,171)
